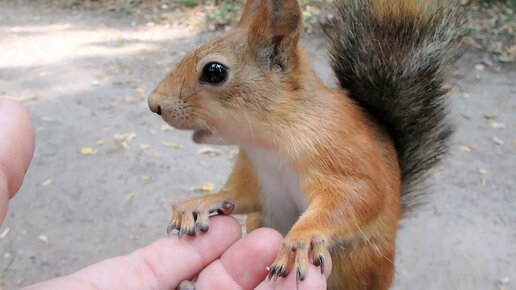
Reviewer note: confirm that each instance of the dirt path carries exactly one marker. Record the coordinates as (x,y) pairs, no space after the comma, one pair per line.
(85,77)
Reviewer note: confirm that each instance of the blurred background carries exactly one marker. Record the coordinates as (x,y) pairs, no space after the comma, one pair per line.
(105,168)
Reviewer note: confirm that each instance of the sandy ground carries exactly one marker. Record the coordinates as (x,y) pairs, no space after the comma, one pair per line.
(85,76)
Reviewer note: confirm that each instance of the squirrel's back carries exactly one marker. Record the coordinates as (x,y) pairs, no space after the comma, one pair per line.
(392,57)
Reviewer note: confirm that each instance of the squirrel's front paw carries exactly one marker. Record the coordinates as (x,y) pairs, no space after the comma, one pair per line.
(298,250)
(192,215)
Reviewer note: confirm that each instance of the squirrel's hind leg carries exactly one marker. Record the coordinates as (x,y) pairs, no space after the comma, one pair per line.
(362,266)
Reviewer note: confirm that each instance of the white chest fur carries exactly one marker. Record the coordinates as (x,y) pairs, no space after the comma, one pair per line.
(282,201)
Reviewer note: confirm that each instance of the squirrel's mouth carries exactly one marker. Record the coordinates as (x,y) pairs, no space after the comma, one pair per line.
(200,134)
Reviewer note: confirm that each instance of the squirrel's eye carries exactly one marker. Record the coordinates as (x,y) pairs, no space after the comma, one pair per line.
(214,73)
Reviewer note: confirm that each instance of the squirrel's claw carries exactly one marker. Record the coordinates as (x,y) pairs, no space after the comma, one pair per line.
(296,252)
(170,228)
(186,285)
(192,215)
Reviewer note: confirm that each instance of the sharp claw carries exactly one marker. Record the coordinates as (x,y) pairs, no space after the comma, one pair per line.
(271,273)
(319,261)
(228,207)
(321,258)
(170,228)
(201,227)
(180,234)
(284,271)
(299,275)
(190,232)
(186,285)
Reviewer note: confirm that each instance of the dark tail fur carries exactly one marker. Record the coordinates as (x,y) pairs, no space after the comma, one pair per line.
(392,57)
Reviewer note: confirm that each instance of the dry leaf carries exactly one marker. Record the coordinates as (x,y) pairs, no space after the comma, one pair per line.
(172,145)
(204,187)
(489,116)
(466,148)
(131,196)
(165,127)
(141,90)
(46,182)
(43,238)
(435,173)
(209,151)
(144,177)
(480,67)
(31,97)
(144,146)
(5,233)
(129,136)
(129,100)
(497,141)
(205,164)
(124,138)
(47,119)
(497,125)
(151,131)
(100,142)
(88,150)
(125,145)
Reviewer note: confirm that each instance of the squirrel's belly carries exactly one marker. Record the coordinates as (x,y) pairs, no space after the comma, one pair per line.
(282,201)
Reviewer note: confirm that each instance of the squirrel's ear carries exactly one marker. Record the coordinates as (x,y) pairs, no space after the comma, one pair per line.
(248,12)
(274,30)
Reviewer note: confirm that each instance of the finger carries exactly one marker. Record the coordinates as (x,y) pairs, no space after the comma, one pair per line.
(16,148)
(161,265)
(244,265)
(314,280)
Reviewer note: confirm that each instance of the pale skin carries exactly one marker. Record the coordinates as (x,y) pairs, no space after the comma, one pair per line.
(221,258)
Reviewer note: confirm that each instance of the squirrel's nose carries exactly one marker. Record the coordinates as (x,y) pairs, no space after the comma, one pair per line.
(156,109)
(154,105)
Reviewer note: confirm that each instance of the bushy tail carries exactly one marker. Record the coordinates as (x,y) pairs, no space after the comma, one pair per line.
(392,57)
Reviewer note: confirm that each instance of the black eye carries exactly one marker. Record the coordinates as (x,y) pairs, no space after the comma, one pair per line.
(214,73)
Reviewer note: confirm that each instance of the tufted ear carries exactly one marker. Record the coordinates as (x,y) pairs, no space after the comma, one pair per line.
(274,30)
(248,13)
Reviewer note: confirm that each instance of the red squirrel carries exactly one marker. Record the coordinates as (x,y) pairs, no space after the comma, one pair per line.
(332,169)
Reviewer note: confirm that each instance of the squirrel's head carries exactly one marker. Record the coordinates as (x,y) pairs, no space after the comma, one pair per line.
(231,89)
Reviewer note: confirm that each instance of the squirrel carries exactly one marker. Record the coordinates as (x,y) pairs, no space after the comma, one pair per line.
(332,169)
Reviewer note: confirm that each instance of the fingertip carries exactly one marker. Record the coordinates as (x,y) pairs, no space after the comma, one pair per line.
(267,233)
(226,223)
(247,260)
(172,260)
(16,143)
(314,280)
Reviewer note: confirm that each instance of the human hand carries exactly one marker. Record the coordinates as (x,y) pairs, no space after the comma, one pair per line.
(222,259)
(16,149)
